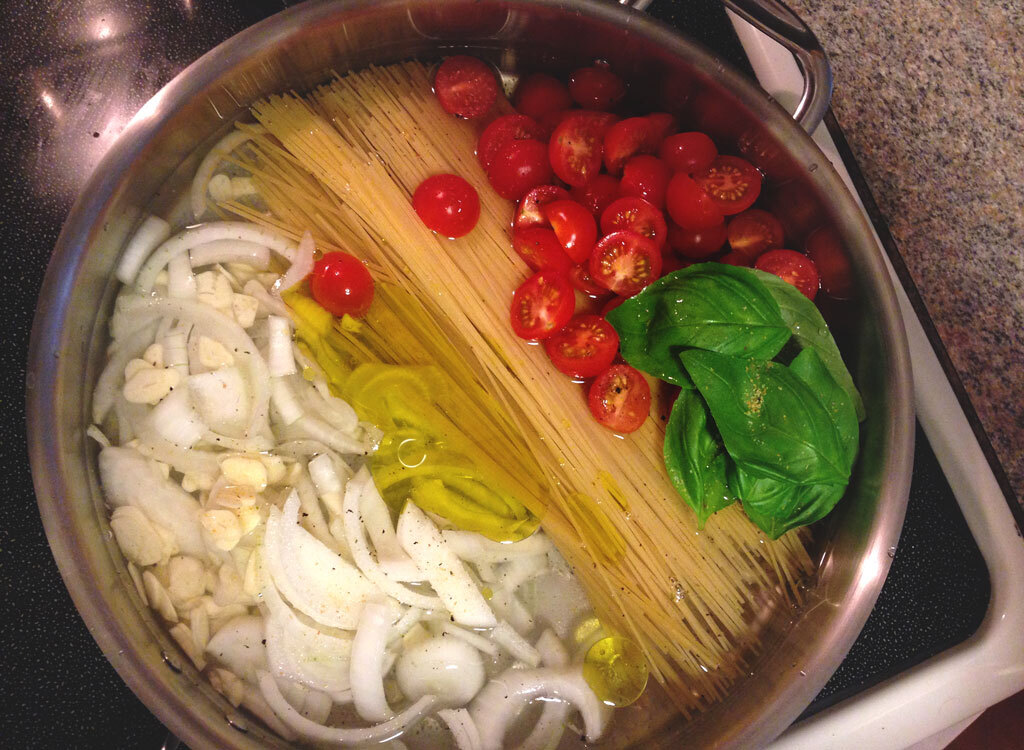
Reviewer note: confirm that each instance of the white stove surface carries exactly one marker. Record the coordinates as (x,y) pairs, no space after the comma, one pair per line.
(926,706)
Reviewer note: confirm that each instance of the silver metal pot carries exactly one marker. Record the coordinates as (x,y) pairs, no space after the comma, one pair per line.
(295,49)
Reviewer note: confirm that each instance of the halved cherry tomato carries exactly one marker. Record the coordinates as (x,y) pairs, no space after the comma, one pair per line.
(612,304)
(625,139)
(584,347)
(625,262)
(689,206)
(696,243)
(754,231)
(671,262)
(542,305)
(579,277)
(596,87)
(447,204)
(733,183)
(540,249)
(574,226)
(528,213)
(518,167)
(645,177)
(824,249)
(341,285)
(540,95)
(791,266)
(620,399)
(465,86)
(662,125)
(575,146)
(501,130)
(552,120)
(636,215)
(688,152)
(734,258)
(597,194)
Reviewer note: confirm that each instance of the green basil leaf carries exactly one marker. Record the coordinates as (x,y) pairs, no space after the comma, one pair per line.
(808,366)
(695,459)
(710,306)
(811,332)
(777,505)
(772,423)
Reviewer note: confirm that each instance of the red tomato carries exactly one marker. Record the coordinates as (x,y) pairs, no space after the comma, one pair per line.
(579,277)
(342,285)
(597,194)
(552,120)
(625,262)
(791,266)
(620,399)
(518,167)
(824,249)
(465,86)
(733,183)
(574,226)
(596,87)
(696,243)
(645,177)
(584,347)
(662,124)
(528,213)
(612,304)
(688,152)
(540,249)
(447,204)
(542,305)
(500,131)
(734,258)
(671,262)
(754,231)
(575,147)
(624,139)
(636,215)
(540,95)
(689,206)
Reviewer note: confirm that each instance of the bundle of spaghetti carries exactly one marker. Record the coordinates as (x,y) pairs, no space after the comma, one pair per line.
(689,598)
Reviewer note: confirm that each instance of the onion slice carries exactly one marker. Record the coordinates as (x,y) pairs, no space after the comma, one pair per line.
(463,728)
(213,157)
(366,667)
(300,268)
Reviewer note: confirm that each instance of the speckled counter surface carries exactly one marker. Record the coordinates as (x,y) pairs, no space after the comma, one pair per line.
(930,96)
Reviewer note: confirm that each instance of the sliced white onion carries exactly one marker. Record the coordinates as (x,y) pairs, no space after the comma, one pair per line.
(280,361)
(206,168)
(446,667)
(463,728)
(324,475)
(505,696)
(520,570)
(340,735)
(444,571)
(366,667)
(281,395)
(175,420)
(252,254)
(269,304)
(221,398)
(185,460)
(253,700)
(514,644)
(317,429)
(300,268)
(377,520)
(548,730)
(238,645)
(181,282)
(315,580)
(477,548)
(151,232)
(108,385)
(405,623)
(475,640)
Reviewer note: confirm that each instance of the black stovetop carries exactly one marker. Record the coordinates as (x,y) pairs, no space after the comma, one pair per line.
(73,72)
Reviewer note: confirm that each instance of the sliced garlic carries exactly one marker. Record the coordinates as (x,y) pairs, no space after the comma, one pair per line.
(154,355)
(244,308)
(213,354)
(276,468)
(185,578)
(135,366)
(214,290)
(150,385)
(199,623)
(223,528)
(159,599)
(245,471)
(193,482)
(182,635)
(228,684)
(136,536)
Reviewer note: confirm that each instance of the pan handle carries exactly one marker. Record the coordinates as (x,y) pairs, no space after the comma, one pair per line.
(774,18)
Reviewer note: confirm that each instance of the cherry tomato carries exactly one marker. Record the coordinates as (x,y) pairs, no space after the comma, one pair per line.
(552,120)
(824,249)
(620,399)
(518,167)
(689,206)
(612,304)
(625,262)
(528,213)
(540,95)
(636,215)
(500,131)
(733,183)
(342,285)
(584,347)
(596,87)
(625,139)
(696,243)
(540,249)
(734,258)
(597,194)
(447,204)
(688,152)
(645,177)
(791,266)
(465,86)
(579,277)
(754,231)
(542,305)
(575,146)
(662,124)
(671,262)
(574,226)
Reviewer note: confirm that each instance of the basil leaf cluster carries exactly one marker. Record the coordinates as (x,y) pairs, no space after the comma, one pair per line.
(781,438)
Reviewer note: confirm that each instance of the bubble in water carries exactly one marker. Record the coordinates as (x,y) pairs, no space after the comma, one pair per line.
(892,552)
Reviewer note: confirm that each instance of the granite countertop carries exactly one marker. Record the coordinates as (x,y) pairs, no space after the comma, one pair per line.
(931,98)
